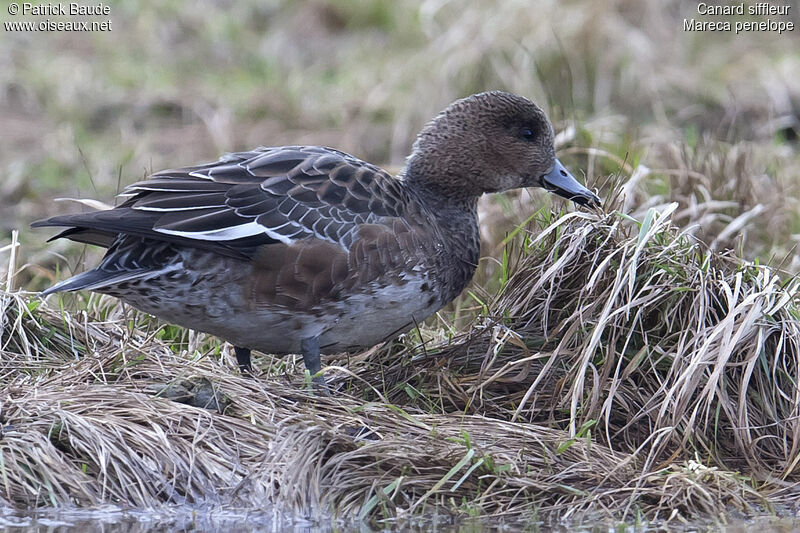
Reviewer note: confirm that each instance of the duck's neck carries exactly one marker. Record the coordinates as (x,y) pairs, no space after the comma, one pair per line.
(456,219)
(447,182)
(450,205)
(459,257)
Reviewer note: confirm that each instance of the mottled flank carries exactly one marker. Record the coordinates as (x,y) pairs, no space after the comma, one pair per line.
(301,248)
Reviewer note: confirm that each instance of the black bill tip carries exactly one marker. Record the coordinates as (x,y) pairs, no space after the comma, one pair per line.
(562,183)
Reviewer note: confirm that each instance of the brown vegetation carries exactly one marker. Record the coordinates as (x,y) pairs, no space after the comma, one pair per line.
(623,371)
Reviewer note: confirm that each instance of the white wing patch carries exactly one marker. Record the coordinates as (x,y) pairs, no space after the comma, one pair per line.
(230,233)
(171,209)
(205,176)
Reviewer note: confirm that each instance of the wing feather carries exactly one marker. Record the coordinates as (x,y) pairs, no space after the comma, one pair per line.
(181,202)
(247,199)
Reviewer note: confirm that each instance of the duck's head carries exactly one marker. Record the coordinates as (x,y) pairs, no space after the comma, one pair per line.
(491,142)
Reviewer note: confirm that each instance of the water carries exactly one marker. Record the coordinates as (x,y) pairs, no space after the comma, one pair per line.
(116,520)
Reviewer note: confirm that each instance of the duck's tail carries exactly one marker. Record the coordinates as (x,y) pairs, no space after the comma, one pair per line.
(90,280)
(75,283)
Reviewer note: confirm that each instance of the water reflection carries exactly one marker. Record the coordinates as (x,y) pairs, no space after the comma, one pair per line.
(232,521)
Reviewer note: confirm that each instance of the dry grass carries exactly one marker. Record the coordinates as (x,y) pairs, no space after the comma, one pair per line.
(97,432)
(622,372)
(660,345)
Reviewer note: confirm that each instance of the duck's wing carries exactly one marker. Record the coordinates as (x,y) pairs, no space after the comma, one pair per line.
(249,199)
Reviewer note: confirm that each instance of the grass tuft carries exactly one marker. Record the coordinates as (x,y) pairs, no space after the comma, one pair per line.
(624,371)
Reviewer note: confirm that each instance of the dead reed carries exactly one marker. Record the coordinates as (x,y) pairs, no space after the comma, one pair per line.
(623,371)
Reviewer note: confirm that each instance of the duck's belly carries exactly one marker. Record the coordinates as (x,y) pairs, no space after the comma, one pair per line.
(357,322)
(367,319)
(222,307)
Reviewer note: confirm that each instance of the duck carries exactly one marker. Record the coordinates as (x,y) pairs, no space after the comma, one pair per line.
(310,250)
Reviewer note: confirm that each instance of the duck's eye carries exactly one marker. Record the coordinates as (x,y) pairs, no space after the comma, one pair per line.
(527,134)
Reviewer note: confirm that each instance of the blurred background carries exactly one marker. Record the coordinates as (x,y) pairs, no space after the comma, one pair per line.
(708,119)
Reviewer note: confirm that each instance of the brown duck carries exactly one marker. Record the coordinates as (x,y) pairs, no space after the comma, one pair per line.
(306,249)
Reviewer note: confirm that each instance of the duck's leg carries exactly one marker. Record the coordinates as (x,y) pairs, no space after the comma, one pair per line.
(243,358)
(310,351)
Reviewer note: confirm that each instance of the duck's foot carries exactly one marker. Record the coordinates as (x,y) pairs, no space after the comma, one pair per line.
(243,358)
(309,348)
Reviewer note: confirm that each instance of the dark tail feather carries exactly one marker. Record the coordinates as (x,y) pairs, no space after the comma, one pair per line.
(88,236)
(92,280)
(76,283)
(78,232)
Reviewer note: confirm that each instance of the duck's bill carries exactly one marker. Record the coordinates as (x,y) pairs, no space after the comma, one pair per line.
(561,182)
